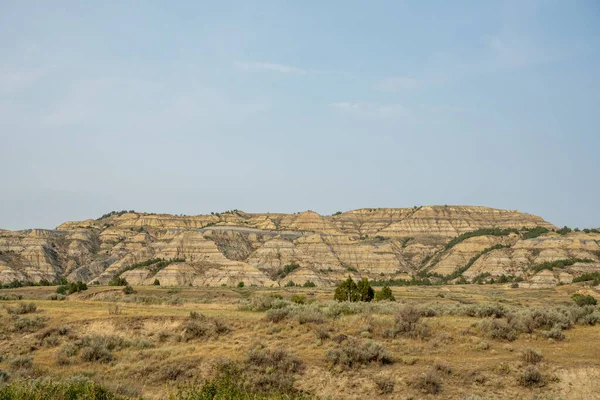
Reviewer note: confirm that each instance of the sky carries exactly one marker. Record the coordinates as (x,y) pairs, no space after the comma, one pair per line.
(190,107)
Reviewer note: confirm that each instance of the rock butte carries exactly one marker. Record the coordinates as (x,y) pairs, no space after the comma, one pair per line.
(232,247)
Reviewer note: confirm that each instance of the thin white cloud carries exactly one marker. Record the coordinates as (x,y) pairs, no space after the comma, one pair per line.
(285,69)
(370,110)
(19,78)
(393,110)
(397,83)
(266,66)
(516,52)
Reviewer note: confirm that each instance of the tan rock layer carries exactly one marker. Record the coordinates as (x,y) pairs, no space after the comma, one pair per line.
(232,247)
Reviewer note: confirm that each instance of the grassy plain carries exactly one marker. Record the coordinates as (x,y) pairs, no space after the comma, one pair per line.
(464,342)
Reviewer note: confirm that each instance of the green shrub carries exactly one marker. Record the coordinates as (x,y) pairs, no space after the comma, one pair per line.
(156,282)
(70,288)
(593,276)
(286,270)
(118,281)
(240,284)
(128,289)
(584,300)
(550,265)
(530,233)
(298,299)
(309,284)
(385,294)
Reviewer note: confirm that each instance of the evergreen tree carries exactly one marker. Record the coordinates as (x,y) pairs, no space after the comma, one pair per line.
(346,291)
(365,291)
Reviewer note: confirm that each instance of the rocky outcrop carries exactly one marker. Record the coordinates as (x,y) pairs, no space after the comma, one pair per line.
(231,247)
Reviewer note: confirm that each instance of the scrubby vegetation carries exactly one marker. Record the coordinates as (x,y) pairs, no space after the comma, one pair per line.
(118,281)
(531,233)
(593,276)
(584,300)
(353,354)
(350,291)
(71,288)
(550,265)
(385,294)
(480,232)
(76,388)
(153,265)
(309,343)
(114,214)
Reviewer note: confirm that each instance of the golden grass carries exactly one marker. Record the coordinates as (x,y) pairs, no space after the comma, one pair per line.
(492,371)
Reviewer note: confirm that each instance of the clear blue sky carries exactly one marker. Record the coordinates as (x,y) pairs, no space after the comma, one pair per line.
(191,107)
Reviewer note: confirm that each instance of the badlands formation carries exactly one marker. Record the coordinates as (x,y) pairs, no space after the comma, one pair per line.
(231,247)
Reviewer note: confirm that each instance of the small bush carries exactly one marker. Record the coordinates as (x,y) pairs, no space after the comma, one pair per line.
(114,310)
(298,299)
(499,329)
(407,324)
(96,353)
(264,303)
(32,324)
(268,371)
(429,382)
(307,315)
(309,284)
(384,385)
(56,296)
(20,363)
(22,308)
(199,326)
(240,284)
(555,333)
(531,377)
(277,314)
(443,367)
(156,282)
(128,290)
(354,354)
(531,356)
(482,346)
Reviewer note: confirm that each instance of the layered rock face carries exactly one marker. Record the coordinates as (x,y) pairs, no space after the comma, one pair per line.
(231,247)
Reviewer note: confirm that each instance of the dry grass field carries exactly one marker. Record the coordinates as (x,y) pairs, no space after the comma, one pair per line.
(451,342)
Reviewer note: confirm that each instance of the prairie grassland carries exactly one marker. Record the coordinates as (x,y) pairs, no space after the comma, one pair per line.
(451,342)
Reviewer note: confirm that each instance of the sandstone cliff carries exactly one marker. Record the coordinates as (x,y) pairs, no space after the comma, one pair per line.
(231,247)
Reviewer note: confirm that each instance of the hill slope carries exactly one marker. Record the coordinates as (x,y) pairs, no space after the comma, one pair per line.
(442,243)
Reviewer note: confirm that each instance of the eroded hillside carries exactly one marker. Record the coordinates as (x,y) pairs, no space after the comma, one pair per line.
(433,243)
